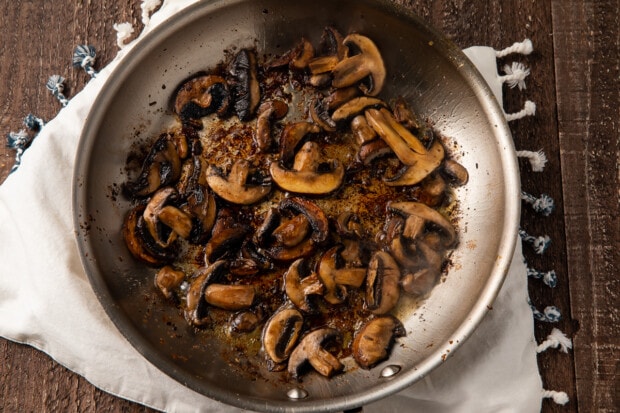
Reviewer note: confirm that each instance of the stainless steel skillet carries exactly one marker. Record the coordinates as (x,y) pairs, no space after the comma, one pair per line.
(424,67)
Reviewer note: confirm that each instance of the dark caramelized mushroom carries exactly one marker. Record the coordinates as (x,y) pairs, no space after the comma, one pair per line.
(167,279)
(268,112)
(161,167)
(202,96)
(291,137)
(372,344)
(140,243)
(311,350)
(298,288)
(244,83)
(196,307)
(225,240)
(335,277)
(281,333)
(382,288)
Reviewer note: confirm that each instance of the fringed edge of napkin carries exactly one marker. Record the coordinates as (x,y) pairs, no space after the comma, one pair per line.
(514,75)
(84,56)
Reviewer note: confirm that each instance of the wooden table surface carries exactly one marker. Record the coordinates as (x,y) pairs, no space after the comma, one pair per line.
(574,81)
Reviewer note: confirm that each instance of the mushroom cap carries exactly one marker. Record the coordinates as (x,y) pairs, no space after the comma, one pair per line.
(139,242)
(298,289)
(196,307)
(305,177)
(382,283)
(201,96)
(368,63)
(235,188)
(281,333)
(429,214)
(311,350)
(373,342)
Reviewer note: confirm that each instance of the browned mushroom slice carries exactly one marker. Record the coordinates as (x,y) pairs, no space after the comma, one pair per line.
(420,282)
(433,190)
(322,64)
(320,115)
(307,176)
(363,132)
(161,167)
(382,288)
(164,235)
(291,137)
(236,187)
(420,168)
(304,52)
(268,112)
(244,267)
(167,279)
(202,207)
(139,242)
(356,106)
(292,232)
(315,215)
(196,307)
(281,334)
(230,297)
(298,288)
(244,322)
(366,65)
(415,210)
(335,278)
(456,172)
(311,350)
(373,342)
(244,83)
(370,151)
(225,240)
(340,96)
(348,225)
(404,115)
(202,96)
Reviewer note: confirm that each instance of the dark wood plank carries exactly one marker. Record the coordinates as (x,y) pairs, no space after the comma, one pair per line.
(587,55)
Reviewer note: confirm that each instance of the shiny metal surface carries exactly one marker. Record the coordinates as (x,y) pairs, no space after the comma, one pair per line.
(429,71)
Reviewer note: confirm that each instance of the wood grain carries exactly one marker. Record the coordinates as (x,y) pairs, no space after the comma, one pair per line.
(574,81)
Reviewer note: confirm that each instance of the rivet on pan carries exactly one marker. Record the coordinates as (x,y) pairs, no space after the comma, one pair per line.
(297,394)
(390,371)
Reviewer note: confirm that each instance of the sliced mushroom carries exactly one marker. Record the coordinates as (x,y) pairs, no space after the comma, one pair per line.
(340,96)
(140,243)
(230,297)
(421,166)
(281,333)
(433,190)
(319,230)
(161,167)
(291,137)
(202,96)
(225,240)
(298,288)
(335,278)
(363,132)
(306,176)
(456,172)
(348,225)
(246,89)
(311,350)
(373,343)
(367,65)
(244,322)
(167,279)
(370,151)
(164,235)
(304,52)
(196,306)
(382,283)
(356,106)
(244,267)
(415,210)
(420,282)
(202,207)
(292,232)
(235,187)
(404,115)
(320,115)
(267,112)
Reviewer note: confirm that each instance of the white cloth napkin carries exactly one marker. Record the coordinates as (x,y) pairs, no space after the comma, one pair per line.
(46,300)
